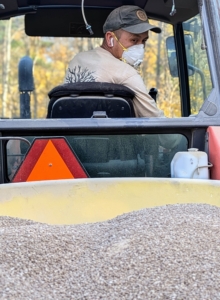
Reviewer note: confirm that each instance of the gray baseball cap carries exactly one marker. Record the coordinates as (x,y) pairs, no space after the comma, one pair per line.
(129,18)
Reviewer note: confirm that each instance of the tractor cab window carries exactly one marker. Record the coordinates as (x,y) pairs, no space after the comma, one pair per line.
(197,65)
(49,58)
(200,82)
(137,155)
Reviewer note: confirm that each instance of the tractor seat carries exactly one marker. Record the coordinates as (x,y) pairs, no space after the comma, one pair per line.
(90,100)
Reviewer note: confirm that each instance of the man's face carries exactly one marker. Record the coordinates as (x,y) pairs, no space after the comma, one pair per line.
(128,39)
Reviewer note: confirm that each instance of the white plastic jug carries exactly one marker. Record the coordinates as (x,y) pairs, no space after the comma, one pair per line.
(191,164)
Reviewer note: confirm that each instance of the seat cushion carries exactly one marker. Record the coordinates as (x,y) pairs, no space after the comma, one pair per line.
(105,90)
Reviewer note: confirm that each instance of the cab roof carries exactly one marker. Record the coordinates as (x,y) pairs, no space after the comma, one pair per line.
(64,18)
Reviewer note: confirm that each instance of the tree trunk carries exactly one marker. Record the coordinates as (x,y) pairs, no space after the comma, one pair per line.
(158,61)
(6,111)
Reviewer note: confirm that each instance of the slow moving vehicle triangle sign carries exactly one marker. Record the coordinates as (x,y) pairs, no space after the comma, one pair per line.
(52,168)
(50,159)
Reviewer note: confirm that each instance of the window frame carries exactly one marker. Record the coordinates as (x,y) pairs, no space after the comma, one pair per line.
(183,70)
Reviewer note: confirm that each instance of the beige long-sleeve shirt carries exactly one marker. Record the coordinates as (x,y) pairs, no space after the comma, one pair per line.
(101,66)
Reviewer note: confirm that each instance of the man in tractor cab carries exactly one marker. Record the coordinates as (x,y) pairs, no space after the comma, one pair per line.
(117,60)
(126,31)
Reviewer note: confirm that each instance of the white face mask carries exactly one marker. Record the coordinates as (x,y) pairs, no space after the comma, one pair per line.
(134,55)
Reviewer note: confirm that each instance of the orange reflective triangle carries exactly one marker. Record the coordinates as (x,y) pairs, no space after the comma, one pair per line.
(50,166)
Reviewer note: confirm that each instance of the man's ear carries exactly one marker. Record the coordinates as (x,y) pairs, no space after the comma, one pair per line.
(109,39)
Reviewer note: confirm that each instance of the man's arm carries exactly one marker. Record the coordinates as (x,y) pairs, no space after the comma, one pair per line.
(144,105)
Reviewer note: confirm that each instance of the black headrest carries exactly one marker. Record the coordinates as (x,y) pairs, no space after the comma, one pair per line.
(91,88)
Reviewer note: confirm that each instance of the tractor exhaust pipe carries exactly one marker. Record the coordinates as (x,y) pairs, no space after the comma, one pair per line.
(26,85)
